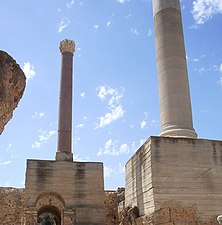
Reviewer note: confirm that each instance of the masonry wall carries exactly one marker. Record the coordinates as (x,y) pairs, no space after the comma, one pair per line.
(80,185)
(12,211)
(111,207)
(174,216)
(167,172)
(139,186)
(11,206)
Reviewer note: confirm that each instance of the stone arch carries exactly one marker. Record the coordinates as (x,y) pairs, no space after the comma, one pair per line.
(50,204)
(50,198)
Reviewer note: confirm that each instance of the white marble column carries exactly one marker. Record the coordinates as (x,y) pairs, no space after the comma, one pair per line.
(174,93)
(64,151)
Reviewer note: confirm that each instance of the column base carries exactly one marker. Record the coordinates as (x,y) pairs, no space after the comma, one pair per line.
(178,132)
(64,156)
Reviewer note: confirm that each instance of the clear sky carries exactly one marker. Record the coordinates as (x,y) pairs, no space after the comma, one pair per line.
(115,105)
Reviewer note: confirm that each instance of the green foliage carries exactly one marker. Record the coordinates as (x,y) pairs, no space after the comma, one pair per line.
(136,212)
(46,219)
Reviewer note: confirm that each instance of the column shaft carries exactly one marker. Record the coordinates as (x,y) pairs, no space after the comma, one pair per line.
(64,151)
(174,93)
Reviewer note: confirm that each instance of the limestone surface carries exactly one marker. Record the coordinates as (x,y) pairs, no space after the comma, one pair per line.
(12,85)
(72,191)
(165,171)
(12,205)
(111,207)
(12,212)
(168,216)
(174,93)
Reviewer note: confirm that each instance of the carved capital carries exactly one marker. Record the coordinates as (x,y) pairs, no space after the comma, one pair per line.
(67,46)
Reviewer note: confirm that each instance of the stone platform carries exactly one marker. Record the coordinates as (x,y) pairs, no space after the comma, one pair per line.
(176,172)
(72,191)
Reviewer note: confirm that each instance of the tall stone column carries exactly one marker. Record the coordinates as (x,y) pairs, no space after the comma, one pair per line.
(64,151)
(174,94)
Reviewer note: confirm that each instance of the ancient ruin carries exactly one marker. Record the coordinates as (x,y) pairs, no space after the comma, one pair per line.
(174,94)
(173,179)
(71,192)
(12,86)
(176,171)
(12,206)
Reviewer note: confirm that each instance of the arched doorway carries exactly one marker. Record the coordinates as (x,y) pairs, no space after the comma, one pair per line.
(49,215)
(50,209)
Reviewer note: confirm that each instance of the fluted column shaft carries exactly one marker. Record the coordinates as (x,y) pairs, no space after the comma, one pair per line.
(64,151)
(174,93)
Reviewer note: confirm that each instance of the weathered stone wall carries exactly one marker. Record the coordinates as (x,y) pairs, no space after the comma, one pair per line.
(165,171)
(11,206)
(12,212)
(139,187)
(12,85)
(185,177)
(175,216)
(79,185)
(111,207)
(167,216)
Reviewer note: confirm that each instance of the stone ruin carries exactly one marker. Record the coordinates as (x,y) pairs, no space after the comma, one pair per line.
(12,86)
(173,179)
(12,211)
(12,207)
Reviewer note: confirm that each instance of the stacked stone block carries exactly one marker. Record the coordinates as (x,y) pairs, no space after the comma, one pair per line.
(165,172)
(175,216)
(79,187)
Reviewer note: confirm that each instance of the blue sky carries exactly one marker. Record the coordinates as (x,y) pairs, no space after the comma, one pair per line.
(116,105)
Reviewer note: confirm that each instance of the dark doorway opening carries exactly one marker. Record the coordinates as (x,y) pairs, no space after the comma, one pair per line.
(49,215)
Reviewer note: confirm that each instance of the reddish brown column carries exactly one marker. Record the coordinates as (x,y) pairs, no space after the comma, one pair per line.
(64,151)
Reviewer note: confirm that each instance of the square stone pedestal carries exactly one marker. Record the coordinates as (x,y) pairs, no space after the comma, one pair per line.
(176,172)
(72,191)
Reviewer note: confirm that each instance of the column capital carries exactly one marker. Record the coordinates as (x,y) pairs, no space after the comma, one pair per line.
(67,46)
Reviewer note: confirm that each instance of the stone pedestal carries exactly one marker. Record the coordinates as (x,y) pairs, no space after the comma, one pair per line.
(171,172)
(72,191)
